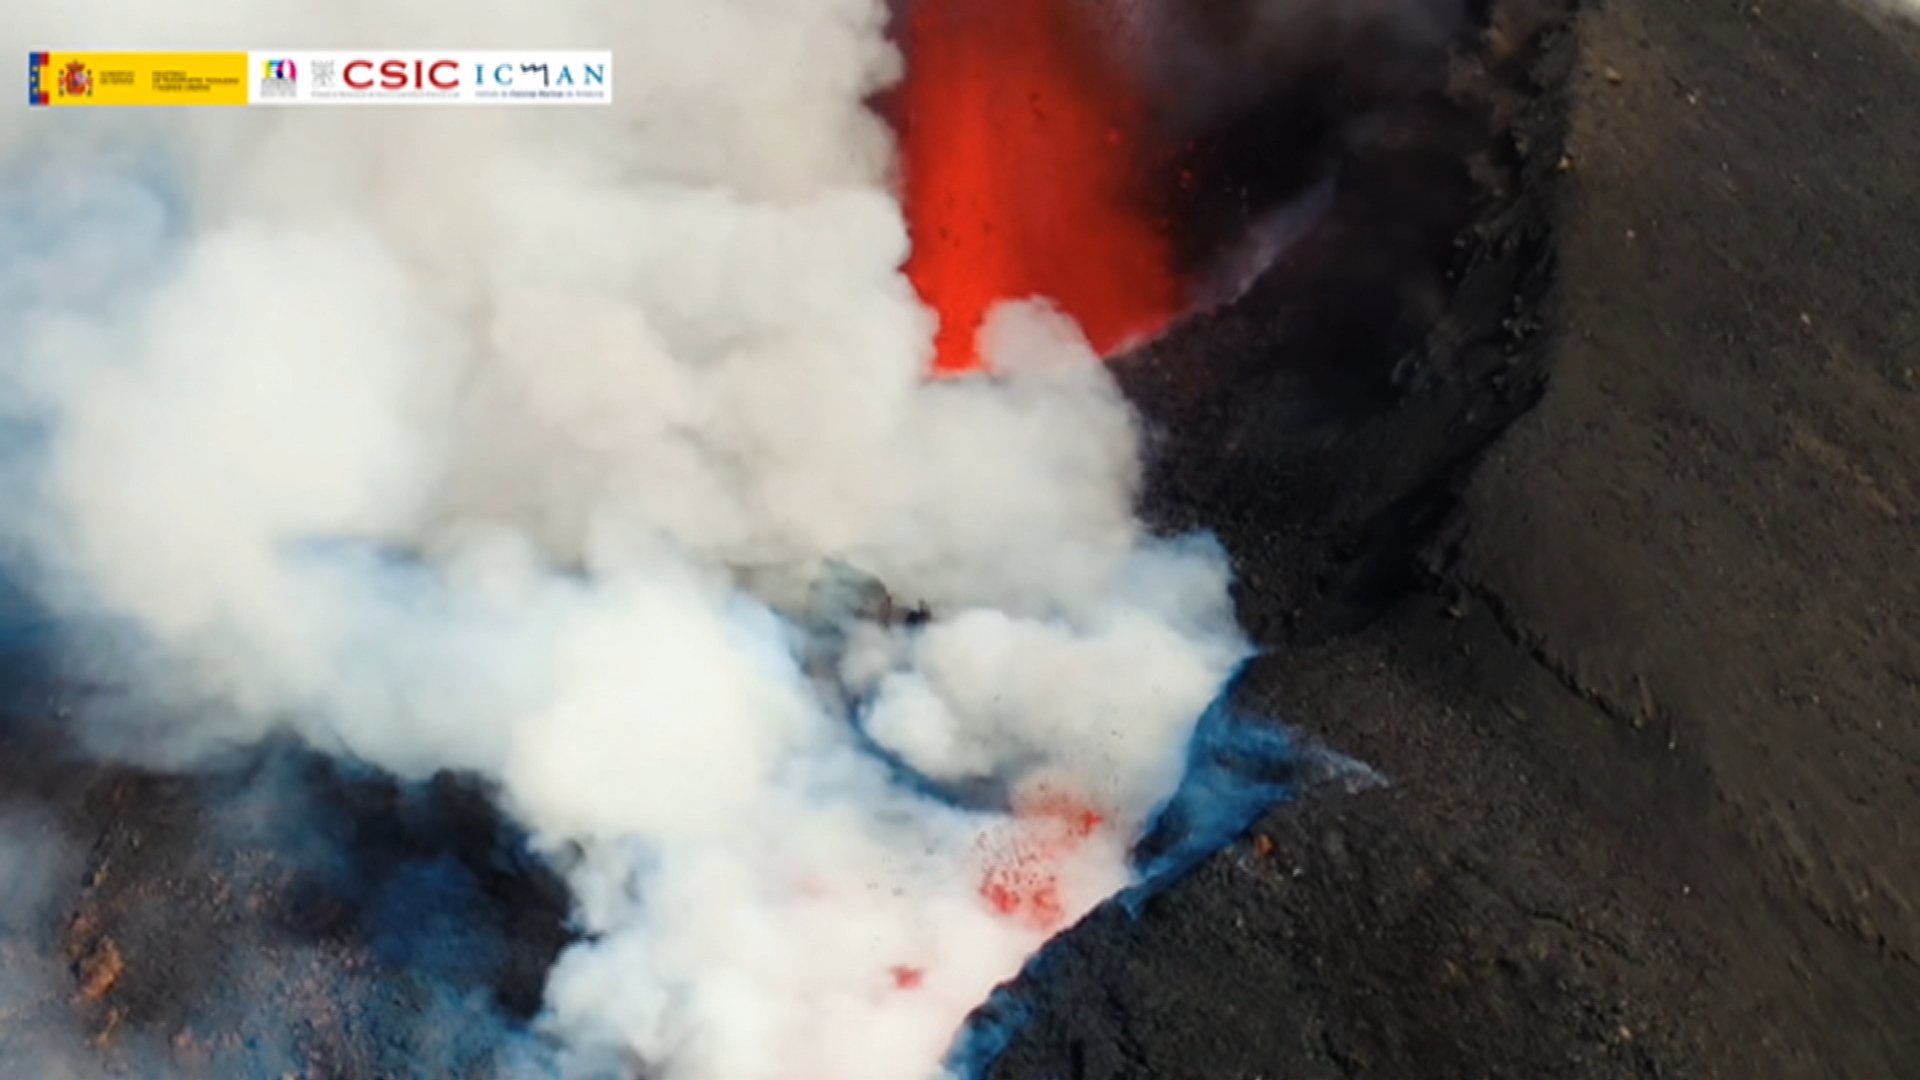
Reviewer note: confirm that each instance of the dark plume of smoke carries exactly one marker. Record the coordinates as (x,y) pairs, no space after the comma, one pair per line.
(1264,102)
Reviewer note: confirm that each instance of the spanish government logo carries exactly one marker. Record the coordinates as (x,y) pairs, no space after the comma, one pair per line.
(46,86)
(76,80)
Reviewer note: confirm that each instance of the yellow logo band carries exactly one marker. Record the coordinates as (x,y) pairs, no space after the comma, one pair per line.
(137,78)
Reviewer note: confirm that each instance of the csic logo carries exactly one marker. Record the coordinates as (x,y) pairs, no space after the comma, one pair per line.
(401,75)
(476,77)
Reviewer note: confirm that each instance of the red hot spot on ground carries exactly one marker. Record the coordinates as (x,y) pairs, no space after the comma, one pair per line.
(906,977)
(1020,160)
(1022,879)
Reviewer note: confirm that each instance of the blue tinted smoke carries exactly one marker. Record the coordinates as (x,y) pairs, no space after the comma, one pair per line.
(93,214)
(1238,766)
(992,1027)
(25,626)
(424,918)
(408,908)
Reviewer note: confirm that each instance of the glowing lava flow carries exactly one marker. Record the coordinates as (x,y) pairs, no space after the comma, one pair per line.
(1020,146)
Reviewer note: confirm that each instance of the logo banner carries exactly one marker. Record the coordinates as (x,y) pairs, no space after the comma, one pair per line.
(306,77)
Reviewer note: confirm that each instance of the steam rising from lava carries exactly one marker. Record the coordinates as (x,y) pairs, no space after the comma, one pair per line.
(528,444)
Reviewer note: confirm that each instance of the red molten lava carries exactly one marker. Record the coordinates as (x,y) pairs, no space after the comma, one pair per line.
(1022,880)
(1021,142)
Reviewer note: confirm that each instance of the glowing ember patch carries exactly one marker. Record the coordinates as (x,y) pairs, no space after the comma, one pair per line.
(1021,142)
(1025,890)
(1022,879)
(1047,803)
(908,978)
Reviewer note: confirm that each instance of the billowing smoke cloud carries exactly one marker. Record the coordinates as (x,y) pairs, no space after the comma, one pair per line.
(539,445)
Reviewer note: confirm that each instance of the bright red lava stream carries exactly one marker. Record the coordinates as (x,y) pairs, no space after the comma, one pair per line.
(1021,141)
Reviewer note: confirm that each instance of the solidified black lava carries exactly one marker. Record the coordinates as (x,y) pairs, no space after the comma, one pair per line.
(1639,665)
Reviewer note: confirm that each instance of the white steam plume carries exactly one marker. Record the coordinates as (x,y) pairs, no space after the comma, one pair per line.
(514,441)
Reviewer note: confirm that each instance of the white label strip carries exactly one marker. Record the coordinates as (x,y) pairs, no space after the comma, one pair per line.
(424,77)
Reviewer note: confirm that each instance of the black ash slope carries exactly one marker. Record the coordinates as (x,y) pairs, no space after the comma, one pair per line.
(1644,663)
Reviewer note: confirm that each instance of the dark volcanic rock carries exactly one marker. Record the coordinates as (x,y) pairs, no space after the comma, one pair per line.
(1320,424)
(285,915)
(1644,667)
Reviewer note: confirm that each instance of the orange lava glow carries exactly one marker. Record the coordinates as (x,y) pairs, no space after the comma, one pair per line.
(1020,152)
(1022,879)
